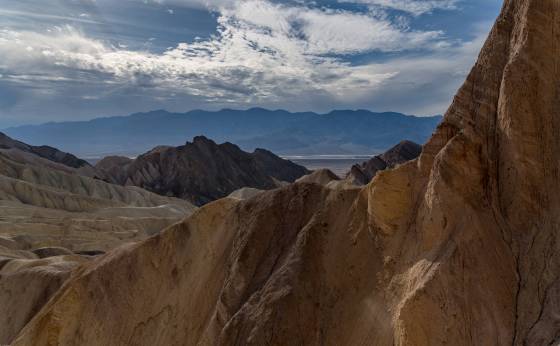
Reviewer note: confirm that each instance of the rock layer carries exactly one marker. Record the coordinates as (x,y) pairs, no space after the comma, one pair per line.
(458,247)
(54,205)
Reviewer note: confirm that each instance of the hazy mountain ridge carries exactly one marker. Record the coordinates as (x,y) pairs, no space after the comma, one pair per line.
(285,133)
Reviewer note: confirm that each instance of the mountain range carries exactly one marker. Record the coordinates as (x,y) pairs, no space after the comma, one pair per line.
(285,133)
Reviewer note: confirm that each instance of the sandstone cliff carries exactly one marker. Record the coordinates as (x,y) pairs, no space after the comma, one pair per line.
(201,171)
(458,247)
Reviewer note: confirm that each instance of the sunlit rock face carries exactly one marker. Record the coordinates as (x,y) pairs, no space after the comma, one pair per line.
(458,247)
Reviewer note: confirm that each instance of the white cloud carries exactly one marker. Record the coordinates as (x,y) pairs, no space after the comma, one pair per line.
(324,31)
(262,54)
(414,7)
(260,49)
(81,18)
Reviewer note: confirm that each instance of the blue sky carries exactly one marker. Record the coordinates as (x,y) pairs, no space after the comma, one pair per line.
(79,59)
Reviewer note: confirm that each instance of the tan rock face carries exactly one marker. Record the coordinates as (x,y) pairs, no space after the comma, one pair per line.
(26,285)
(456,248)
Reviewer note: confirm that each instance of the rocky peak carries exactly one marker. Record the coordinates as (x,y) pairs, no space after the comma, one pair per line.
(402,152)
(202,171)
(361,174)
(46,152)
(202,141)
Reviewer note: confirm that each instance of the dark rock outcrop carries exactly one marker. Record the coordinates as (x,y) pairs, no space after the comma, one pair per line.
(51,251)
(361,174)
(201,171)
(274,166)
(44,151)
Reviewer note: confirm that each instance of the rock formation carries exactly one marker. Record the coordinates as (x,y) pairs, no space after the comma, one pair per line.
(52,204)
(245,193)
(48,209)
(26,285)
(458,247)
(44,151)
(361,174)
(320,176)
(201,171)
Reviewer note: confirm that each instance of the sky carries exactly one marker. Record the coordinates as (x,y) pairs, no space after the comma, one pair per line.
(72,60)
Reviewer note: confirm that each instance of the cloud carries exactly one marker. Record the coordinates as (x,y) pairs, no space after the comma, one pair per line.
(260,49)
(210,4)
(299,57)
(426,83)
(326,31)
(414,7)
(81,18)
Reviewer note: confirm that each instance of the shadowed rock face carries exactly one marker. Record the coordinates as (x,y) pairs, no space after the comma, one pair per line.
(44,151)
(201,171)
(320,176)
(362,174)
(458,247)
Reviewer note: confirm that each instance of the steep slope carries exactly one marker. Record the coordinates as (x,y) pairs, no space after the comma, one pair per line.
(53,205)
(361,174)
(113,168)
(43,186)
(201,171)
(26,285)
(320,176)
(459,247)
(43,151)
(338,132)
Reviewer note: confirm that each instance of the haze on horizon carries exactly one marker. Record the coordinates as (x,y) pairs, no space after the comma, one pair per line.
(80,59)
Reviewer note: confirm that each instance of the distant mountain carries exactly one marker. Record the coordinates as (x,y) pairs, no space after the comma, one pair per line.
(201,171)
(285,133)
